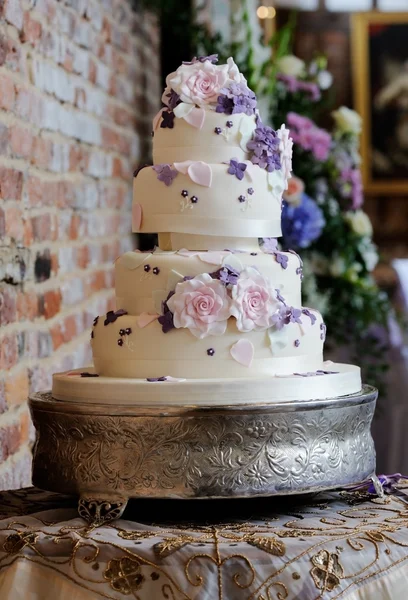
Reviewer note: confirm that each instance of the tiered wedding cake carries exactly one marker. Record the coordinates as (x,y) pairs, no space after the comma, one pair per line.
(210,315)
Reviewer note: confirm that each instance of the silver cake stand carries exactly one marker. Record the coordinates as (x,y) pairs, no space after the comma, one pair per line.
(107,454)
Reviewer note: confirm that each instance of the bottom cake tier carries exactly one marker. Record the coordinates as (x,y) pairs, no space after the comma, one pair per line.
(84,385)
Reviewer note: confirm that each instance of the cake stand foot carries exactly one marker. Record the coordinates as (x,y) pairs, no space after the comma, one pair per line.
(100,511)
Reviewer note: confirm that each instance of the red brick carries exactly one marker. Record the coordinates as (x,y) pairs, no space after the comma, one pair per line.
(92,71)
(69,329)
(42,153)
(14,223)
(52,303)
(7,304)
(16,388)
(28,105)
(7,92)
(44,228)
(57,336)
(8,351)
(4,137)
(27,305)
(32,30)
(11,184)
(21,141)
(83,257)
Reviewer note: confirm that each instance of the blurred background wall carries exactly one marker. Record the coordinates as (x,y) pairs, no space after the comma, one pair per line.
(79,85)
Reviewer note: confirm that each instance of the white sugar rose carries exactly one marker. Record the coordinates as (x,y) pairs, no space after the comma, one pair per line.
(359,222)
(198,83)
(254,301)
(201,305)
(233,72)
(291,65)
(347,120)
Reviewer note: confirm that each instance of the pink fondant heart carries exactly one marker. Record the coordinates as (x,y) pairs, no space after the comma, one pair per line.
(196,118)
(243,352)
(137,213)
(145,319)
(157,120)
(201,173)
(182,167)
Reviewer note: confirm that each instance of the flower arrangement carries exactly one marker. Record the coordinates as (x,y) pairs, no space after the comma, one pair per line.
(323,215)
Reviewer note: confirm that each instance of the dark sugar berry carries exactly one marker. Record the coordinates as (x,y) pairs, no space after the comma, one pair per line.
(241,198)
(184,193)
(128,331)
(210,351)
(194,199)
(229,123)
(120,342)
(146,268)
(217,130)
(121,332)
(156,271)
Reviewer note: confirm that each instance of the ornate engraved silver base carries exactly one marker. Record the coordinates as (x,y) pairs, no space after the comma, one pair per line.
(109,453)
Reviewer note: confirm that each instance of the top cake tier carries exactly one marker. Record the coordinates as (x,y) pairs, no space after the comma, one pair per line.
(218,170)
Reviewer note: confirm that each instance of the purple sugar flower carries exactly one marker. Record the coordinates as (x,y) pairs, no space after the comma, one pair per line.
(279,319)
(270,245)
(153,379)
(264,148)
(166,319)
(294,315)
(213,58)
(165,173)
(282,259)
(309,314)
(86,374)
(280,297)
(294,85)
(227,275)
(301,224)
(236,168)
(173,99)
(238,98)
(224,105)
(111,315)
(167,119)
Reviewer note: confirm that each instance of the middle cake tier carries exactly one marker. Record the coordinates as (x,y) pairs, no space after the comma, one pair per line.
(142,276)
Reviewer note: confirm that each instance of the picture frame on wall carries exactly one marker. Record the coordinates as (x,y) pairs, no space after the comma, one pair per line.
(380,80)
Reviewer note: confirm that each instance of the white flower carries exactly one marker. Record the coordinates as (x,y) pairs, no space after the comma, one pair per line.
(338,267)
(198,83)
(359,222)
(291,65)
(369,253)
(347,120)
(324,80)
(233,72)
(286,150)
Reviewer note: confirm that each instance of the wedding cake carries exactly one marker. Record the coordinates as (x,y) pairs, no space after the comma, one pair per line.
(211,314)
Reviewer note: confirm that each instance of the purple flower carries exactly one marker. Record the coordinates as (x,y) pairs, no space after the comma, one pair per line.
(264,148)
(236,168)
(165,173)
(351,186)
(309,314)
(286,315)
(238,98)
(213,58)
(111,315)
(167,119)
(280,297)
(166,319)
(153,379)
(294,315)
(282,259)
(224,105)
(294,85)
(86,374)
(301,224)
(173,99)
(227,275)
(308,136)
(270,245)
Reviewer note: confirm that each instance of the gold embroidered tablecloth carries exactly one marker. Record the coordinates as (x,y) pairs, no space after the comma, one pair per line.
(333,545)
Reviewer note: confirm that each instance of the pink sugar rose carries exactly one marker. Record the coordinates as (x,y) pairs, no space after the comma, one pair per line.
(199,83)
(254,301)
(201,305)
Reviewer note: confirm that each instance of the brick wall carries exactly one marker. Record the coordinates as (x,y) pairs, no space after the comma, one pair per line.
(79,84)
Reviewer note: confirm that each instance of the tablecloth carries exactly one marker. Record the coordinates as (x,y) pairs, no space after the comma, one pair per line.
(331,545)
